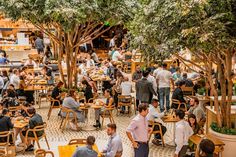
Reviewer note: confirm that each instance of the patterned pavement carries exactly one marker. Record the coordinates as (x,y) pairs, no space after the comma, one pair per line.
(56,137)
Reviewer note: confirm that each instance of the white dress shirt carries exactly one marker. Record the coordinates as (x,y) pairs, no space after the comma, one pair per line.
(114,146)
(126,88)
(154,114)
(152,79)
(139,128)
(182,133)
(1,82)
(15,80)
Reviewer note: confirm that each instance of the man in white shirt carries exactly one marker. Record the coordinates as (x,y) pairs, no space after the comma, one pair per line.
(155,115)
(164,78)
(1,84)
(182,133)
(15,79)
(114,146)
(152,79)
(116,56)
(126,87)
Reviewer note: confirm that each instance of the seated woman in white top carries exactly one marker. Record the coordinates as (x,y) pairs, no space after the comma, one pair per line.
(30,62)
(71,103)
(89,62)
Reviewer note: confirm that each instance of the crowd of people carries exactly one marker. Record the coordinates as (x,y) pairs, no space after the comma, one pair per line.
(155,88)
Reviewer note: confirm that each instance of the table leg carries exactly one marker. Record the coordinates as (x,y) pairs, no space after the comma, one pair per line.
(88,126)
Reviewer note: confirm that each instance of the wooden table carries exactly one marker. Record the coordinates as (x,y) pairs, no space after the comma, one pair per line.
(219,145)
(20,124)
(69,150)
(173,120)
(36,90)
(88,108)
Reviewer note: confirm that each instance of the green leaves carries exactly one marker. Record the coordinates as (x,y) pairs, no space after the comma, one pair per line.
(67,13)
(174,24)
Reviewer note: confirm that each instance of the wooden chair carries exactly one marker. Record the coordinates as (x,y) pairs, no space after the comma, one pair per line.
(175,101)
(35,137)
(5,134)
(128,102)
(153,124)
(67,117)
(52,106)
(42,153)
(3,153)
(13,109)
(188,91)
(107,113)
(77,141)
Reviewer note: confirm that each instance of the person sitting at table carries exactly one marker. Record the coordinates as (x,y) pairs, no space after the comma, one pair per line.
(109,103)
(3,60)
(57,93)
(206,148)
(178,94)
(126,89)
(15,79)
(10,92)
(200,114)
(87,91)
(29,95)
(48,74)
(5,123)
(196,128)
(87,151)
(34,120)
(24,109)
(193,104)
(188,82)
(155,116)
(114,146)
(89,62)
(182,133)
(30,62)
(71,103)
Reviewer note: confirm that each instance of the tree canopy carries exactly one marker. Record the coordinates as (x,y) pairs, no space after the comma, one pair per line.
(74,22)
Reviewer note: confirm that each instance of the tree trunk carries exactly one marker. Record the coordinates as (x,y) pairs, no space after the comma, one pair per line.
(215,93)
(223,102)
(228,70)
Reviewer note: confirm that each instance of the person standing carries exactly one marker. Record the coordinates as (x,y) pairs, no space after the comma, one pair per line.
(144,89)
(152,79)
(137,75)
(138,132)
(182,134)
(114,147)
(86,151)
(164,77)
(39,45)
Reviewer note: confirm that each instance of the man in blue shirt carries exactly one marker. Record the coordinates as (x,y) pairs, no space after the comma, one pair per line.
(114,146)
(87,151)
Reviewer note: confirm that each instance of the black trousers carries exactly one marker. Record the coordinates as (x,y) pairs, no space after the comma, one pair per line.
(163,129)
(142,150)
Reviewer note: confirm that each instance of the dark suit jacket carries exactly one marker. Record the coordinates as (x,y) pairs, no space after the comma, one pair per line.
(178,95)
(143,90)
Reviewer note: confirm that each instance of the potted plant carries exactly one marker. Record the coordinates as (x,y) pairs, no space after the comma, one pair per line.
(207,28)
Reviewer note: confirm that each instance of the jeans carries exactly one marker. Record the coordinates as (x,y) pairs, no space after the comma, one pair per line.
(164,97)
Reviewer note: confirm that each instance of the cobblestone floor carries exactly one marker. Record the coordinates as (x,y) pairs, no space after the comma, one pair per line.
(56,137)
